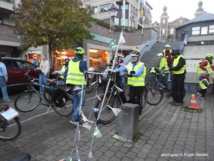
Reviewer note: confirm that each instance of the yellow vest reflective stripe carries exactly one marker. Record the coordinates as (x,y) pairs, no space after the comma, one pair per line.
(163,65)
(164,52)
(137,81)
(208,67)
(175,63)
(63,70)
(201,84)
(74,75)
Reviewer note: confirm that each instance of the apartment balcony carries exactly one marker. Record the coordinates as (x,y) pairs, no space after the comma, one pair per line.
(6,6)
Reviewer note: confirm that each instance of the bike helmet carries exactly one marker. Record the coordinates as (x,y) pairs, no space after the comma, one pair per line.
(59,97)
(79,50)
(175,52)
(135,53)
(209,55)
(167,46)
(159,54)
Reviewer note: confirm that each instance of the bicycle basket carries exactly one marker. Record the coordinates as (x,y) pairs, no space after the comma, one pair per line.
(59,97)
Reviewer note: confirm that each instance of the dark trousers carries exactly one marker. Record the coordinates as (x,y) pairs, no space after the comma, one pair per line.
(178,91)
(203,92)
(135,95)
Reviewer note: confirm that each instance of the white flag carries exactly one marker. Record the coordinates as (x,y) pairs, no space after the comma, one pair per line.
(122,40)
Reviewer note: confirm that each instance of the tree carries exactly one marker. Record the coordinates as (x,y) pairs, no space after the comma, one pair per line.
(57,23)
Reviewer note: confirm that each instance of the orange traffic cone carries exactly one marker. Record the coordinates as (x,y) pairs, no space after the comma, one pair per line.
(193,104)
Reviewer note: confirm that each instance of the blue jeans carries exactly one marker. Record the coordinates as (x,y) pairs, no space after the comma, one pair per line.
(123,79)
(3,88)
(76,106)
(43,81)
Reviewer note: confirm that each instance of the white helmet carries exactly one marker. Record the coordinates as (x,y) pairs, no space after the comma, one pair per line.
(159,54)
(167,46)
(135,53)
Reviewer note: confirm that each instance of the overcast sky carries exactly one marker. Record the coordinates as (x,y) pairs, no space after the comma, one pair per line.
(178,8)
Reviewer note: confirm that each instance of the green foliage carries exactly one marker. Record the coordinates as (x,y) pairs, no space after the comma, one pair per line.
(57,23)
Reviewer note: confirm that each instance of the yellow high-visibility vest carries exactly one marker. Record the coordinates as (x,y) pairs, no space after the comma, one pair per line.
(74,75)
(208,67)
(137,81)
(175,63)
(163,65)
(63,70)
(201,84)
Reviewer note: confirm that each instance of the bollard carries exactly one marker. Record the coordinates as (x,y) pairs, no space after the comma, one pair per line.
(128,120)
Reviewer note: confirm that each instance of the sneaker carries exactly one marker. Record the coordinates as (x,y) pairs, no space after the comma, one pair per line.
(7,100)
(199,94)
(73,122)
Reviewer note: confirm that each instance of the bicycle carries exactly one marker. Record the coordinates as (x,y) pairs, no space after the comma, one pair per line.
(115,97)
(10,127)
(60,100)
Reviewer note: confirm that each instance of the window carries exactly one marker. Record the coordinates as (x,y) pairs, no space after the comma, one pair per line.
(164,21)
(95,10)
(9,64)
(1,21)
(171,31)
(163,31)
(211,29)
(105,8)
(24,65)
(204,30)
(196,31)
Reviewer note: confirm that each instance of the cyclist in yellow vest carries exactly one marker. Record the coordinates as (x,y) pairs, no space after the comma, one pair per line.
(136,73)
(163,67)
(63,69)
(204,67)
(178,70)
(167,54)
(75,78)
(204,84)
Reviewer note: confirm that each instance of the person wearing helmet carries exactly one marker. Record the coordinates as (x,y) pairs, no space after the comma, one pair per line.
(167,54)
(136,78)
(163,67)
(75,78)
(178,70)
(204,66)
(63,69)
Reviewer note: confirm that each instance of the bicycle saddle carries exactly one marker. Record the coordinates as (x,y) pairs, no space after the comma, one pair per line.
(21,157)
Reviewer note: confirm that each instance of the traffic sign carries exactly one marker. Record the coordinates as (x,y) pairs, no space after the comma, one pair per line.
(112,43)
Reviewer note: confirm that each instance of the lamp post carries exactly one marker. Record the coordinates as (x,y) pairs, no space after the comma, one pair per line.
(113,13)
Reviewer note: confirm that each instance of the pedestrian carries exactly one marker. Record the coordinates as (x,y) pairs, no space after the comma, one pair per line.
(164,71)
(75,81)
(3,80)
(44,69)
(178,70)
(64,69)
(203,84)
(167,54)
(136,73)
(204,66)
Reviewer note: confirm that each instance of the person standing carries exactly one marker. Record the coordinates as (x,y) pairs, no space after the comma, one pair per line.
(3,80)
(75,80)
(64,69)
(167,54)
(136,73)
(204,67)
(178,70)
(164,69)
(203,84)
(44,73)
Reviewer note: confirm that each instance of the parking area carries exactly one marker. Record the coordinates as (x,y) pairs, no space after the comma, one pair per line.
(166,133)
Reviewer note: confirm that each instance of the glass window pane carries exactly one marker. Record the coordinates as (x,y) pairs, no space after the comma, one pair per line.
(204,30)
(211,29)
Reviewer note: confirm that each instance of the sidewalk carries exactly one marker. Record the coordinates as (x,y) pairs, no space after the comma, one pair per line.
(168,134)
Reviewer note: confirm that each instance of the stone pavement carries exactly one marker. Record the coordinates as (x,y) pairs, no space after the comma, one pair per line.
(168,133)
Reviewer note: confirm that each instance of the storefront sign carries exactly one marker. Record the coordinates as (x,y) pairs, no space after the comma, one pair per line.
(101,38)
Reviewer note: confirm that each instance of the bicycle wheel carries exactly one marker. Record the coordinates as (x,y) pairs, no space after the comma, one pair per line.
(107,115)
(143,100)
(27,101)
(9,130)
(154,96)
(66,109)
(89,88)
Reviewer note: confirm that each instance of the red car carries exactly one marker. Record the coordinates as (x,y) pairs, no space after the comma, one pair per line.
(16,69)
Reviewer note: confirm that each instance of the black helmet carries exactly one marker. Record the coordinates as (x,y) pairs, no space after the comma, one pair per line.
(59,97)
(175,52)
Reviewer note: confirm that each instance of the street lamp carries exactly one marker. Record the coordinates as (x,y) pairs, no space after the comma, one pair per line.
(113,13)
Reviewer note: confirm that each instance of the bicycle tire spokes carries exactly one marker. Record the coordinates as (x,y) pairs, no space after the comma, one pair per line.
(154,96)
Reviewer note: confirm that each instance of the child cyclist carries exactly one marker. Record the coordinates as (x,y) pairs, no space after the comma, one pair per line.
(203,84)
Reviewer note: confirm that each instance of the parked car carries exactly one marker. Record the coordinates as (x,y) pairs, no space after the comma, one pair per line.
(16,68)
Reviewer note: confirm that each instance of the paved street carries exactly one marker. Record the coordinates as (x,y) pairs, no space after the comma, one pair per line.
(168,133)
